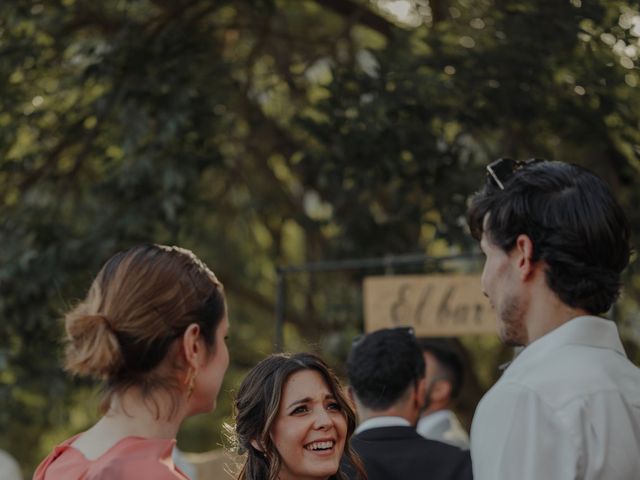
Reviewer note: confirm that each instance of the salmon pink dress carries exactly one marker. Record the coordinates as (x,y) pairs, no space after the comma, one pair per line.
(131,458)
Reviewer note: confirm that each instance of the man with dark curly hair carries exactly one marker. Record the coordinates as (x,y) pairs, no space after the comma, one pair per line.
(568,406)
(386,373)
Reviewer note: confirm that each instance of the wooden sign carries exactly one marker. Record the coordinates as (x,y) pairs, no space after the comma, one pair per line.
(434,305)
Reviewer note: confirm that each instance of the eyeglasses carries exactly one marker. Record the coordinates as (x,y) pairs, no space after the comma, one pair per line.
(501,170)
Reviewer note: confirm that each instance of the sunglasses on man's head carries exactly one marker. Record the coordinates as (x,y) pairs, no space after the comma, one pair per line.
(501,170)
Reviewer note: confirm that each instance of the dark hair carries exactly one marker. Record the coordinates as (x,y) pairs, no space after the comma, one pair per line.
(576,227)
(447,355)
(140,302)
(257,405)
(383,365)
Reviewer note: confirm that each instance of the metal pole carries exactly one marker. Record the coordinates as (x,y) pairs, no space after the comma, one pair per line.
(389,262)
(280,309)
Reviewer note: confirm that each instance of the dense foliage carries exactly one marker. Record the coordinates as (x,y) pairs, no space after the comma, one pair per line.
(270,132)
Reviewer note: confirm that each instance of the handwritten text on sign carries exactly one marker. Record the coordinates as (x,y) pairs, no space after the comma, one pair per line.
(433,304)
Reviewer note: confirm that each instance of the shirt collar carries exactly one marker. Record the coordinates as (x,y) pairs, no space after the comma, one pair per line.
(377,422)
(584,330)
(428,421)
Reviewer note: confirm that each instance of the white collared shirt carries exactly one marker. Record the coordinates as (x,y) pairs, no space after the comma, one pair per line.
(377,422)
(443,426)
(568,407)
(427,422)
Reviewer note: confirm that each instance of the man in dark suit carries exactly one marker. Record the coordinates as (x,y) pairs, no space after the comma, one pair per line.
(386,373)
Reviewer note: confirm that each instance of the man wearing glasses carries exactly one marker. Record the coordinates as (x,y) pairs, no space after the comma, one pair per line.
(568,406)
(386,373)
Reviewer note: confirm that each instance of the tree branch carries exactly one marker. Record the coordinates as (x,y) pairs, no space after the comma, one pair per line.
(359,14)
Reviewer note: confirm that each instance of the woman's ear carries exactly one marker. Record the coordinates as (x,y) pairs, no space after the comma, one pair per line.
(256,445)
(191,345)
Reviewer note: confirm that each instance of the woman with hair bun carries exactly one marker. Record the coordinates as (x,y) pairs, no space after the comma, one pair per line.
(152,327)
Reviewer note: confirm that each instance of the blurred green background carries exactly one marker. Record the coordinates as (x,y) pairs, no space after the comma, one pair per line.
(277,132)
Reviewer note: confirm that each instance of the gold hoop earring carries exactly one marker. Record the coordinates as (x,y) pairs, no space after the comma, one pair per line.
(191,381)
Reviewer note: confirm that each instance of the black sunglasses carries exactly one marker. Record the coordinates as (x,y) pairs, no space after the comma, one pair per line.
(501,170)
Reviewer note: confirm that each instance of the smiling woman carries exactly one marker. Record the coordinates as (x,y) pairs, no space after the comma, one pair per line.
(294,422)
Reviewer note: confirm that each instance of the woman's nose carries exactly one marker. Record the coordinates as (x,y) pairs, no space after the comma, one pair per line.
(322,419)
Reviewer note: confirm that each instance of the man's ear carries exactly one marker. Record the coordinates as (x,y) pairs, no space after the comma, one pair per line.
(420,393)
(441,391)
(524,253)
(192,347)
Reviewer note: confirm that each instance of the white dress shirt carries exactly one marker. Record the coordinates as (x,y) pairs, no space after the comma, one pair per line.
(9,468)
(444,426)
(568,407)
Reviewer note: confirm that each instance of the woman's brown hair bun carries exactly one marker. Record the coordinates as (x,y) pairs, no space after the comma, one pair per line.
(139,305)
(92,346)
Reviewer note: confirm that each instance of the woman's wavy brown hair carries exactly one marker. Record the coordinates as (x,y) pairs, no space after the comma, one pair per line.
(257,405)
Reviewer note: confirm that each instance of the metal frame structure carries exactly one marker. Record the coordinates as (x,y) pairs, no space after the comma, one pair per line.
(388,263)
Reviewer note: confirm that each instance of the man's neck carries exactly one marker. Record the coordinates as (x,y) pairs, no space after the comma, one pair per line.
(548,313)
(433,409)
